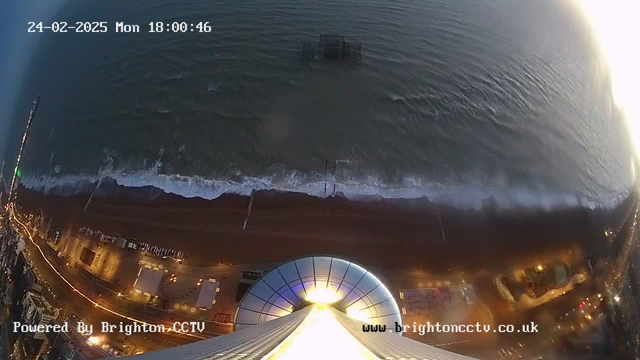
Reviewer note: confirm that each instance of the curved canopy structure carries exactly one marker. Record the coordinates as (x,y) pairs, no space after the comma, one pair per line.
(318,279)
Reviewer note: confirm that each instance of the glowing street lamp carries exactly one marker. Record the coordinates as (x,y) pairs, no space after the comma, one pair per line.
(93,340)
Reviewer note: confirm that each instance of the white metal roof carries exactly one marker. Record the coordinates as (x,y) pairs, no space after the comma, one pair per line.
(148,280)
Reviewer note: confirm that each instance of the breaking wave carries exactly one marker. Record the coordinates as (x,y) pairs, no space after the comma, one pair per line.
(461,196)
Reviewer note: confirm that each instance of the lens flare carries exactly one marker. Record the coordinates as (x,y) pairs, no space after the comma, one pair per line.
(616,28)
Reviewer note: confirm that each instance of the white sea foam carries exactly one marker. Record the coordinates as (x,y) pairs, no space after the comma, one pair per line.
(462,196)
(214,87)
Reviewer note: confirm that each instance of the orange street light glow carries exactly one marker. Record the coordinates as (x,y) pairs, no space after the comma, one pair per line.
(73,287)
(93,340)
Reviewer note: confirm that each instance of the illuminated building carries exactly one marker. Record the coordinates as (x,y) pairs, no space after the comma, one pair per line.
(312,308)
(36,311)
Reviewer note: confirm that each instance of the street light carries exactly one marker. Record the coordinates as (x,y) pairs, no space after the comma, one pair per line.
(93,340)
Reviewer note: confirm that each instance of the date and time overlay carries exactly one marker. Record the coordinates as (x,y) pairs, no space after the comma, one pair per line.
(119,27)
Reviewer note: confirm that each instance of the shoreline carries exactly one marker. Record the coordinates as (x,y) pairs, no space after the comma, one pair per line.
(151,186)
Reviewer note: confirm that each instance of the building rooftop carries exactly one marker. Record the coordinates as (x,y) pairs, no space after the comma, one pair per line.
(148,280)
(207,295)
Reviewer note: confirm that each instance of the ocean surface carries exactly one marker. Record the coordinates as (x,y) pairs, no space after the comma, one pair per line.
(460,101)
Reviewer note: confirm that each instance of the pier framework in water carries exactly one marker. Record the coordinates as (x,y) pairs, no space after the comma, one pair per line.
(332,47)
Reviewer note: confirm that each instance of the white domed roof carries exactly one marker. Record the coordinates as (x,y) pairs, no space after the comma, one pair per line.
(296,283)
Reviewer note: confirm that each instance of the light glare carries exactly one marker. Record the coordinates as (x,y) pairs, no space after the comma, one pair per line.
(93,340)
(321,327)
(322,296)
(616,29)
(358,315)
